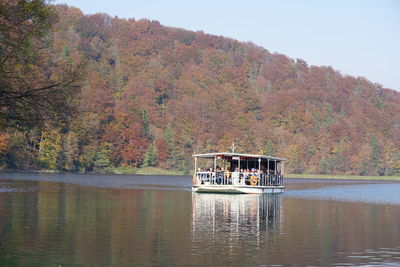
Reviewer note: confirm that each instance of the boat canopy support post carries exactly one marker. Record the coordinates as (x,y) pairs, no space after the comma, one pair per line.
(259,164)
(275,166)
(195,165)
(215,163)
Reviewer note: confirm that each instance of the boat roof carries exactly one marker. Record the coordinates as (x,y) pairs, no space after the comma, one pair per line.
(228,154)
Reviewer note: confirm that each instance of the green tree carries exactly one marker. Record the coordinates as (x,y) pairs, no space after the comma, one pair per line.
(50,148)
(375,155)
(18,152)
(169,137)
(364,168)
(173,158)
(269,149)
(145,123)
(102,158)
(69,157)
(150,158)
(87,158)
(323,166)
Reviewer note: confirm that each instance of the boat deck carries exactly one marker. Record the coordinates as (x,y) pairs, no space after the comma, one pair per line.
(238,173)
(237,183)
(238,189)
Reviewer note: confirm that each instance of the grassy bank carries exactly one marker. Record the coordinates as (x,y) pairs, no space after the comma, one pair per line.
(146,170)
(345,177)
(159,171)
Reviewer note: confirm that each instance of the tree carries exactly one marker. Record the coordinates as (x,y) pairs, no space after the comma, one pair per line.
(269,149)
(133,145)
(50,148)
(4,148)
(102,158)
(162,151)
(184,92)
(18,153)
(150,158)
(145,123)
(169,138)
(34,84)
(375,155)
(295,163)
(4,143)
(323,167)
(69,158)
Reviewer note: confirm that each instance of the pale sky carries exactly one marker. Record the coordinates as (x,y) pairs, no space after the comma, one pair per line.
(355,37)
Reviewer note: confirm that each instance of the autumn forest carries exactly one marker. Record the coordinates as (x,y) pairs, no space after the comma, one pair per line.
(92,93)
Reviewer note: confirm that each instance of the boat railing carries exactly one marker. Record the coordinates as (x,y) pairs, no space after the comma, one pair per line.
(238,178)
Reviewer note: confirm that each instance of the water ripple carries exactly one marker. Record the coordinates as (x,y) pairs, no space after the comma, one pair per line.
(386,193)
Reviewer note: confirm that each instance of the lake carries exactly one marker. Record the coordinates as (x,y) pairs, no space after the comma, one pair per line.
(125,220)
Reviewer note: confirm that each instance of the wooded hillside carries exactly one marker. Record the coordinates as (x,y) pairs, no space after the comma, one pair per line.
(154,95)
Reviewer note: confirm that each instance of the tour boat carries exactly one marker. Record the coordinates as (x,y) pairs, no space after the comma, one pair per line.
(238,173)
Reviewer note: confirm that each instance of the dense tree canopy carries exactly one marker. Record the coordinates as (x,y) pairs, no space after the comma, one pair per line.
(35,83)
(154,95)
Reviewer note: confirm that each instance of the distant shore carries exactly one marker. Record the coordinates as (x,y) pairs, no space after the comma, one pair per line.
(160,171)
(342,177)
(145,171)
(119,170)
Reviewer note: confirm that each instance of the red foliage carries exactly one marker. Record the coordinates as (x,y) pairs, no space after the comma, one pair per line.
(213,90)
(162,150)
(134,145)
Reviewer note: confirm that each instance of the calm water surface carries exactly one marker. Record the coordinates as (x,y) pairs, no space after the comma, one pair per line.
(122,220)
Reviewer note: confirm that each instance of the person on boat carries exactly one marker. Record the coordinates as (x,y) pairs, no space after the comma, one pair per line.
(227,176)
(219,175)
(209,176)
(235,176)
(227,173)
(258,174)
(247,176)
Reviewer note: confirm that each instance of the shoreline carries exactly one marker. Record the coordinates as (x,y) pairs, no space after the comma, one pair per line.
(342,177)
(158,171)
(121,170)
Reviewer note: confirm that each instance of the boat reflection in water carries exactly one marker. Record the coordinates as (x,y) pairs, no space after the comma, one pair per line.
(235,219)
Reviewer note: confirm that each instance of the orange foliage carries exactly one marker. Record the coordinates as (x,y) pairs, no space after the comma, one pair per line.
(4,143)
(212,91)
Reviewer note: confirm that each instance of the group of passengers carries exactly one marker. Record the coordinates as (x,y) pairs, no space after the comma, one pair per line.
(228,173)
(222,175)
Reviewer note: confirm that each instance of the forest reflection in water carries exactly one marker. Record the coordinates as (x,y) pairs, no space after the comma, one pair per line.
(230,218)
(275,230)
(52,224)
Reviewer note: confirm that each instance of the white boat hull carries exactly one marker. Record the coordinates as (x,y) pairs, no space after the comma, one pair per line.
(237,189)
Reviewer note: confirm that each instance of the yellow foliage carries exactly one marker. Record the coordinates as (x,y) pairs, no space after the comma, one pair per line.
(392,157)
(293,152)
(50,147)
(4,143)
